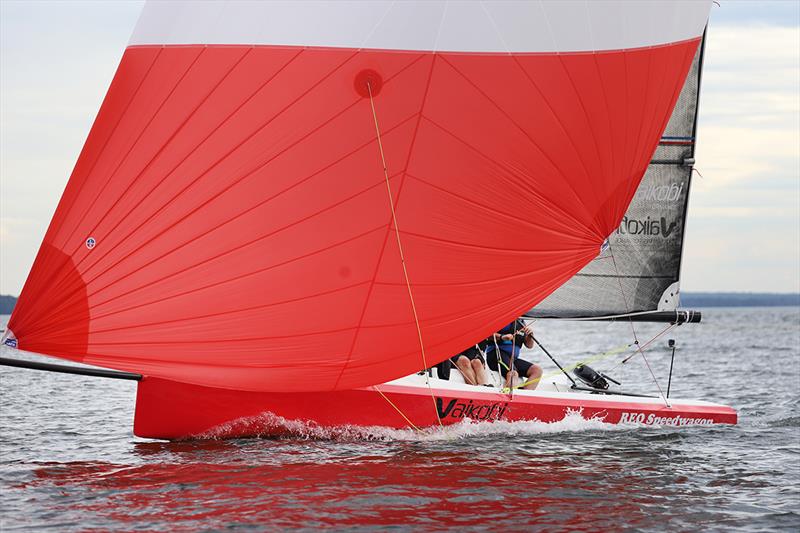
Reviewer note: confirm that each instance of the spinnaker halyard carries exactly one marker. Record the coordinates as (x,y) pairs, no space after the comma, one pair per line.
(346,190)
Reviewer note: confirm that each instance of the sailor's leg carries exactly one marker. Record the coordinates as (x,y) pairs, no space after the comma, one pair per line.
(534,374)
(510,378)
(466,369)
(480,372)
(505,358)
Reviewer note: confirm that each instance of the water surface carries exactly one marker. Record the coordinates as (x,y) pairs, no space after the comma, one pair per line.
(69,462)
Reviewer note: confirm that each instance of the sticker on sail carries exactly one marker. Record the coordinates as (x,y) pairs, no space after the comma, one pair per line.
(9,339)
(605,246)
(91,242)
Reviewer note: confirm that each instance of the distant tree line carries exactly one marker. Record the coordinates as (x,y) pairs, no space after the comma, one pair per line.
(738,299)
(7,304)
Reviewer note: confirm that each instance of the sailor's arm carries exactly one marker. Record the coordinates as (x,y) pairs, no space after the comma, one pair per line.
(528,332)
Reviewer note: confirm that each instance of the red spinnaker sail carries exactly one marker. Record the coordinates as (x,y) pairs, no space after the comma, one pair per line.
(228,222)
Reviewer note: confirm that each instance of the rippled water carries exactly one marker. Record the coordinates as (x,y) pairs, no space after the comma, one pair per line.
(69,461)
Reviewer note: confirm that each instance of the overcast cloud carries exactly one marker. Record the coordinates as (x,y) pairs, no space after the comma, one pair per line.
(57,60)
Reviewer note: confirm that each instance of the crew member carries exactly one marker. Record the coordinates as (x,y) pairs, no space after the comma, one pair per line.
(508,342)
(470,363)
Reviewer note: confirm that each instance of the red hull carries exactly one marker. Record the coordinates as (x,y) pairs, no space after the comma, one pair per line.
(171,410)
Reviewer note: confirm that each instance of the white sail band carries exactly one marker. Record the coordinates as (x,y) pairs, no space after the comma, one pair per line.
(454,26)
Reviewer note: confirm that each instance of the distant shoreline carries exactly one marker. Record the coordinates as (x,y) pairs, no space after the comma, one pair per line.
(689,300)
(739,299)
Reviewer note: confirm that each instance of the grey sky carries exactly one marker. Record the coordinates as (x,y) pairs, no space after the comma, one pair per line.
(57,60)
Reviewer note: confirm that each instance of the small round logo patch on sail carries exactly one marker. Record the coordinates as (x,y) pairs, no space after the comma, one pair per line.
(368,82)
(91,243)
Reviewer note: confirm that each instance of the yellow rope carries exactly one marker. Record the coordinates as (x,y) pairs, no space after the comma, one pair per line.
(614,351)
(400,249)
(410,423)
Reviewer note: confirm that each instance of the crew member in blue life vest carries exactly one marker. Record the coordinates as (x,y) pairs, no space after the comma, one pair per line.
(508,341)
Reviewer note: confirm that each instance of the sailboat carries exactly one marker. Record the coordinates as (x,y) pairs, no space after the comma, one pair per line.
(285,210)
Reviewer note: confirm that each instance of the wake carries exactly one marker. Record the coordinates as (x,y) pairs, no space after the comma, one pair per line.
(270,425)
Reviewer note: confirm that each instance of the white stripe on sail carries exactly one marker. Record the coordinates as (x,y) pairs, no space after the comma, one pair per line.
(521,26)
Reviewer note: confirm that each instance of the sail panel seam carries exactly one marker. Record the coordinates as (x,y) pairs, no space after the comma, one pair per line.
(521,130)
(388,224)
(237,181)
(263,165)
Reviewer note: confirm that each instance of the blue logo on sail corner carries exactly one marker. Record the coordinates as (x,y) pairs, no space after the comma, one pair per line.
(11,342)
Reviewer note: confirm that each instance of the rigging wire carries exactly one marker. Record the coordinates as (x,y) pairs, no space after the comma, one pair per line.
(633,329)
(511,371)
(400,250)
(614,351)
(500,363)
(645,345)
